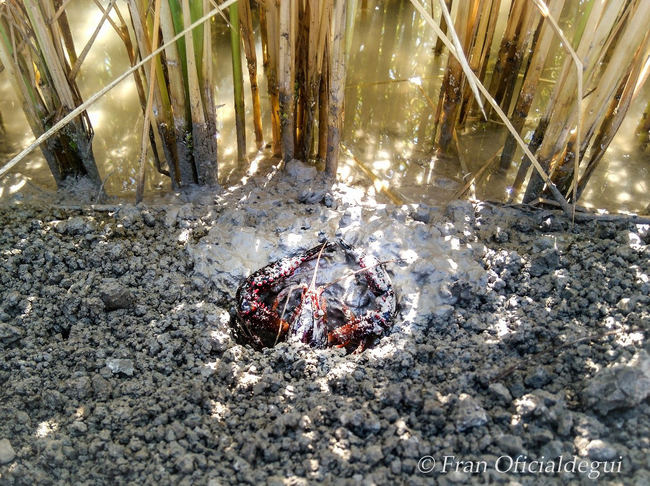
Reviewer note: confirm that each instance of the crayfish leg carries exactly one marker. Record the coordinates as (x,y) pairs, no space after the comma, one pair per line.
(348,314)
(362,345)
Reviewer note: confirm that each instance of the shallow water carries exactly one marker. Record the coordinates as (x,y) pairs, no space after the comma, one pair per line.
(392,86)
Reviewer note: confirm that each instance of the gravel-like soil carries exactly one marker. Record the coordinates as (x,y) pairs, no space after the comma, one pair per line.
(518,336)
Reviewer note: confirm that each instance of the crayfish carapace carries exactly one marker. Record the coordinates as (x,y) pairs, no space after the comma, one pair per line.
(265,317)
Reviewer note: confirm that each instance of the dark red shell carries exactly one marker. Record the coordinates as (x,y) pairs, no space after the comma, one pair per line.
(260,324)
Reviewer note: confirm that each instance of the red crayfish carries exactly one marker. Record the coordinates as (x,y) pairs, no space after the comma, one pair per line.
(262,324)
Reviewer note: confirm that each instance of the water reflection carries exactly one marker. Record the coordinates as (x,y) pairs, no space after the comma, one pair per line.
(392,88)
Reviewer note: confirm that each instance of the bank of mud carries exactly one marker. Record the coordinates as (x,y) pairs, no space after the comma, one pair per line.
(518,334)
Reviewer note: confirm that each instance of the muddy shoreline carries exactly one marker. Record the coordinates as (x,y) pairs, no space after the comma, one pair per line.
(518,334)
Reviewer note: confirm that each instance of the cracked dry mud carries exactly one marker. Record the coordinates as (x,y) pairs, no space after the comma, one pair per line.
(518,334)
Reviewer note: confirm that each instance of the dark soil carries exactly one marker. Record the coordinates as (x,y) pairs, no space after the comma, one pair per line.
(519,335)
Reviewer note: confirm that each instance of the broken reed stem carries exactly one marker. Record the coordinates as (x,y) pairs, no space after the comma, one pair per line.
(377,181)
(139,189)
(474,178)
(238,83)
(246,21)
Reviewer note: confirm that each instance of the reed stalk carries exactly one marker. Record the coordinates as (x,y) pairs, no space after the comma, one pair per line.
(48,36)
(263,34)
(336,87)
(508,61)
(443,27)
(525,33)
(323,107)
(643,129)
(300,77)
(181,162)
(487,12)
(563,89)
(319,21)
(618,107)
(33,106)
(65,120)
(287,21)
(603,24)
(559,143)
(246,22)
(626,55)
(452,86)
(238,82)
(271,14)
(207,165)
(161,106)
(530,84)
(351,13)
(560,117)
(305,47)
(199,56)
(608,109)
(470,74)
(34,53)
(139,190)
(183,107)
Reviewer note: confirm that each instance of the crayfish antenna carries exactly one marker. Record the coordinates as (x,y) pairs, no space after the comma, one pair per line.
(284,309)
(320,253)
